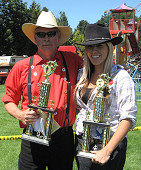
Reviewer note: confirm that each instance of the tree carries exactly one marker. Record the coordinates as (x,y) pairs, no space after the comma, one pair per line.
(81,26)
(12,14)
(78,35)
(45,9)
(79,38)
(62,20)
(104,19)
(33,12)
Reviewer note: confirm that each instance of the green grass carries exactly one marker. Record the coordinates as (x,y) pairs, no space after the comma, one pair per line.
(133,156)
(10,149)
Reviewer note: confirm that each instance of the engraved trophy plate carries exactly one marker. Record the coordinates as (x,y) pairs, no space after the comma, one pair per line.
(41,131)
(96,132)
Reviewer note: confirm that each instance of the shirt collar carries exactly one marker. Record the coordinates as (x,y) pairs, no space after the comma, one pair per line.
(39,60)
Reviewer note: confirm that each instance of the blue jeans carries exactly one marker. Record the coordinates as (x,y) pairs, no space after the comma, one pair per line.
(58,156)
(116,161)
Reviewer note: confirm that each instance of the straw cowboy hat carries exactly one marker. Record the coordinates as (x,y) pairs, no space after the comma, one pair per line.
(98,34)
(46,20)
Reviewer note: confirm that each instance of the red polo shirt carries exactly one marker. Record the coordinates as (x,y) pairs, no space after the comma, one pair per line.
(17,80)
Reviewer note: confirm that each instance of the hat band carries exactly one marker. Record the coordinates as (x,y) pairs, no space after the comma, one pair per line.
(98,39)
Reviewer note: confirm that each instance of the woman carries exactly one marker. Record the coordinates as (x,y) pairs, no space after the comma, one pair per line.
(122,109)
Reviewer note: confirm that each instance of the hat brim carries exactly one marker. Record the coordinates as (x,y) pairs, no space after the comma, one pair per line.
(114,41)
(29,31)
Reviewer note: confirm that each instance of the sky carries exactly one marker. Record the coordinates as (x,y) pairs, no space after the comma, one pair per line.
(90,10)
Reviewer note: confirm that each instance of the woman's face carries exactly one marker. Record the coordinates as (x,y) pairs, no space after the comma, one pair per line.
(97,54)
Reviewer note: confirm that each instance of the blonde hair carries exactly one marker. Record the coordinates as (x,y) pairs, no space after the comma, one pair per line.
(88,68)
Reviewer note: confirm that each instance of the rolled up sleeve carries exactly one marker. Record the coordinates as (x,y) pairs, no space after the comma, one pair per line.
(126,98)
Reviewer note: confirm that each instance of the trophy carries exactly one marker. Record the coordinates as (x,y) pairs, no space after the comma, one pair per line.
(41,131)
(96,131)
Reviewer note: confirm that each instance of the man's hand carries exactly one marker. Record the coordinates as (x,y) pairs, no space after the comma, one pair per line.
(29,117)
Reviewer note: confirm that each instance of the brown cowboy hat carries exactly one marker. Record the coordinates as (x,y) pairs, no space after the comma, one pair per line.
(98,34)
(46,20)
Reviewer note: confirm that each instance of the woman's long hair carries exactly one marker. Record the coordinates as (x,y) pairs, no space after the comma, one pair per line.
(89,68)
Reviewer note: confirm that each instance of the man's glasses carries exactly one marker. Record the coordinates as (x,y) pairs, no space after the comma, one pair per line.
(49,34)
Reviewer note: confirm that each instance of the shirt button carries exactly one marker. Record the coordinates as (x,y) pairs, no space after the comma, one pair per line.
(65,105)
(65,79)
(35,73)
(63,69)
(65,91)
(32,67)
(38,84)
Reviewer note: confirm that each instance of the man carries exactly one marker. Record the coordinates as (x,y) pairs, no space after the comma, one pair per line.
(47,35)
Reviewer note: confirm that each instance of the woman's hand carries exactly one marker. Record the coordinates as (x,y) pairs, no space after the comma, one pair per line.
(101,156)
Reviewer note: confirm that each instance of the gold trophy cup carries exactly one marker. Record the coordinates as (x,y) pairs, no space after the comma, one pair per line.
(41,131)
(96,132)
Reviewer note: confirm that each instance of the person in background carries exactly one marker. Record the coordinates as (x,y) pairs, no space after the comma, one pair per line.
(48,36)
(122,108)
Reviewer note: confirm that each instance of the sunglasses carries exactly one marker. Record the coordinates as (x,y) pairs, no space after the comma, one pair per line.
(49,34)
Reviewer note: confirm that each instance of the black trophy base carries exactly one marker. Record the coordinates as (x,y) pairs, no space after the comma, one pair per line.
(86,155)
(35,139)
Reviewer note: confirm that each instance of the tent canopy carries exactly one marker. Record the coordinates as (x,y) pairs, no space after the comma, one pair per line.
(122,8)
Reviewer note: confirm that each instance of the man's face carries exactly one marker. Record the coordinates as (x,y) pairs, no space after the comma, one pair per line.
(47,40)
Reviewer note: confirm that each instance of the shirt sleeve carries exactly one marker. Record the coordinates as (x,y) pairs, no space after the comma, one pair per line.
(13,86)
(126,97)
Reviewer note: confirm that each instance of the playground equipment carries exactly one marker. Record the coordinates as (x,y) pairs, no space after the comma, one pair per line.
(122,23)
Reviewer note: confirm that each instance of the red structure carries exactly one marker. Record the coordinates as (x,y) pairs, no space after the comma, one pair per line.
(73,49)
(122,23)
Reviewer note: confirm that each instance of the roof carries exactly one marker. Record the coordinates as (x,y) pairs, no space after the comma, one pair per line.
(122,8)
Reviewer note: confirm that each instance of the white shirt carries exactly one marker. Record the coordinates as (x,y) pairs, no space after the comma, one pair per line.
(122,101)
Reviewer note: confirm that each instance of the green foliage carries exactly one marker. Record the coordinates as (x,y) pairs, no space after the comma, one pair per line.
(62,20)
(34,11)
(81,26)
(70,41)
(13,15)
(45,9)
(79,38)
(104,19)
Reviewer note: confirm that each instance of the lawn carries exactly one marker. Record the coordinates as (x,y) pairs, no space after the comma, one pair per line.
(9,149)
